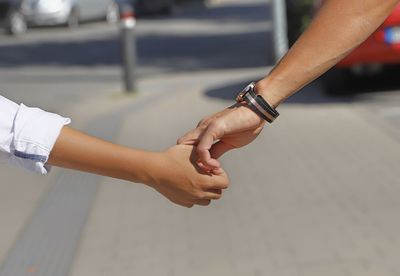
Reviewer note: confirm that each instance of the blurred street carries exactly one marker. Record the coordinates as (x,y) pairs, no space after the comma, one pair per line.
(317,194)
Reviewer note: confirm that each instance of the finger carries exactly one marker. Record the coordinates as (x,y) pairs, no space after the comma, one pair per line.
(183,203)
(220,181)
(214,193)
(219,148)
(203,148)
(190,138)
(203,167)
(186,204)
(202,202)
(218,171)
(210,166)
(208,170)
(209,195)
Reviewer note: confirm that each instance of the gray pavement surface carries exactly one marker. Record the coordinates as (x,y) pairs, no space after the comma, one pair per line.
(317,193)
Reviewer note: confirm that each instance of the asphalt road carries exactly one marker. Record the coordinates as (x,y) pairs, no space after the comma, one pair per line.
(84,62)
(316,194)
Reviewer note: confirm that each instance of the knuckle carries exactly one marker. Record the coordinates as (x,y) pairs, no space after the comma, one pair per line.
(226,184)
(218,196)
(200,195)
(217,124)
(204,122)
(209,184)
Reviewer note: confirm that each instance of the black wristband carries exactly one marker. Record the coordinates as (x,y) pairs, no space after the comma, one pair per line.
(251,101)
(257,103)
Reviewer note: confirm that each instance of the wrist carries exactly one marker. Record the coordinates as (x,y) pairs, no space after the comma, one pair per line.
(141,167)
(250,116)
(266,89)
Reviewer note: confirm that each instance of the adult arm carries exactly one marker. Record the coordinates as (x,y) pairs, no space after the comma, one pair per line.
(339,27)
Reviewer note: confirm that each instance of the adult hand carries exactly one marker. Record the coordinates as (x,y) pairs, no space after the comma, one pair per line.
(228,129)
(177,177)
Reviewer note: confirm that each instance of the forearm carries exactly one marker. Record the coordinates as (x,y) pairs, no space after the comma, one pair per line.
(78,151)
(172,173)
(339,27)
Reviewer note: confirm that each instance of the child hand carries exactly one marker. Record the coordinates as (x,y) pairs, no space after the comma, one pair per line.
(178,178)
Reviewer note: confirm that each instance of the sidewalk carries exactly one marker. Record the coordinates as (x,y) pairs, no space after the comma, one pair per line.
(316,194)
(326,205)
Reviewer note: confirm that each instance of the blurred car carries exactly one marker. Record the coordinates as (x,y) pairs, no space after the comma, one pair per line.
(381,48)
(11,18)
(17,15)
(153,6)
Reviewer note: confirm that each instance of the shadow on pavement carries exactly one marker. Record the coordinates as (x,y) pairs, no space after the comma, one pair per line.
(347,83)
(311,94)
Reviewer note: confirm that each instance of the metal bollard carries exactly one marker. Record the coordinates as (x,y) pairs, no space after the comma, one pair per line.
(280,28)
(128,46)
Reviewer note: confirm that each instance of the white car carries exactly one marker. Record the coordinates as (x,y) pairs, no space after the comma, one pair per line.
(57,12)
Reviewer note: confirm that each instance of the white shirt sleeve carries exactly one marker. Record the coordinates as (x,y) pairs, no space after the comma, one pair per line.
(27,135)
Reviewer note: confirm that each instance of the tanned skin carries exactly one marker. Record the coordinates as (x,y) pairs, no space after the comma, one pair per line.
(339,27)
(173,173)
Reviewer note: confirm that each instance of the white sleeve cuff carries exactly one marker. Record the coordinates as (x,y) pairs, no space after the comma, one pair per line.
(35,133)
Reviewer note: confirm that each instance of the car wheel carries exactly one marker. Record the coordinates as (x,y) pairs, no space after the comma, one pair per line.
(73,19)
(112,15)
(16,23)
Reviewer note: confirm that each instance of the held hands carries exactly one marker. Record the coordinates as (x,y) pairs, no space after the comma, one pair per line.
(228,129)
(185,174)
(181,181)
(202,179)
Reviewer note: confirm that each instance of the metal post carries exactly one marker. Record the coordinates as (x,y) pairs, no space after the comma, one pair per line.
(279,28)
(128,44)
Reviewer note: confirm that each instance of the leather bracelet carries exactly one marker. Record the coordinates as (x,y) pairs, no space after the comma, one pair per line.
(257,103)
(252,103)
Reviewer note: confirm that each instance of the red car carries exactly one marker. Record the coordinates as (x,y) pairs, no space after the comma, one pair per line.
(381,48)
